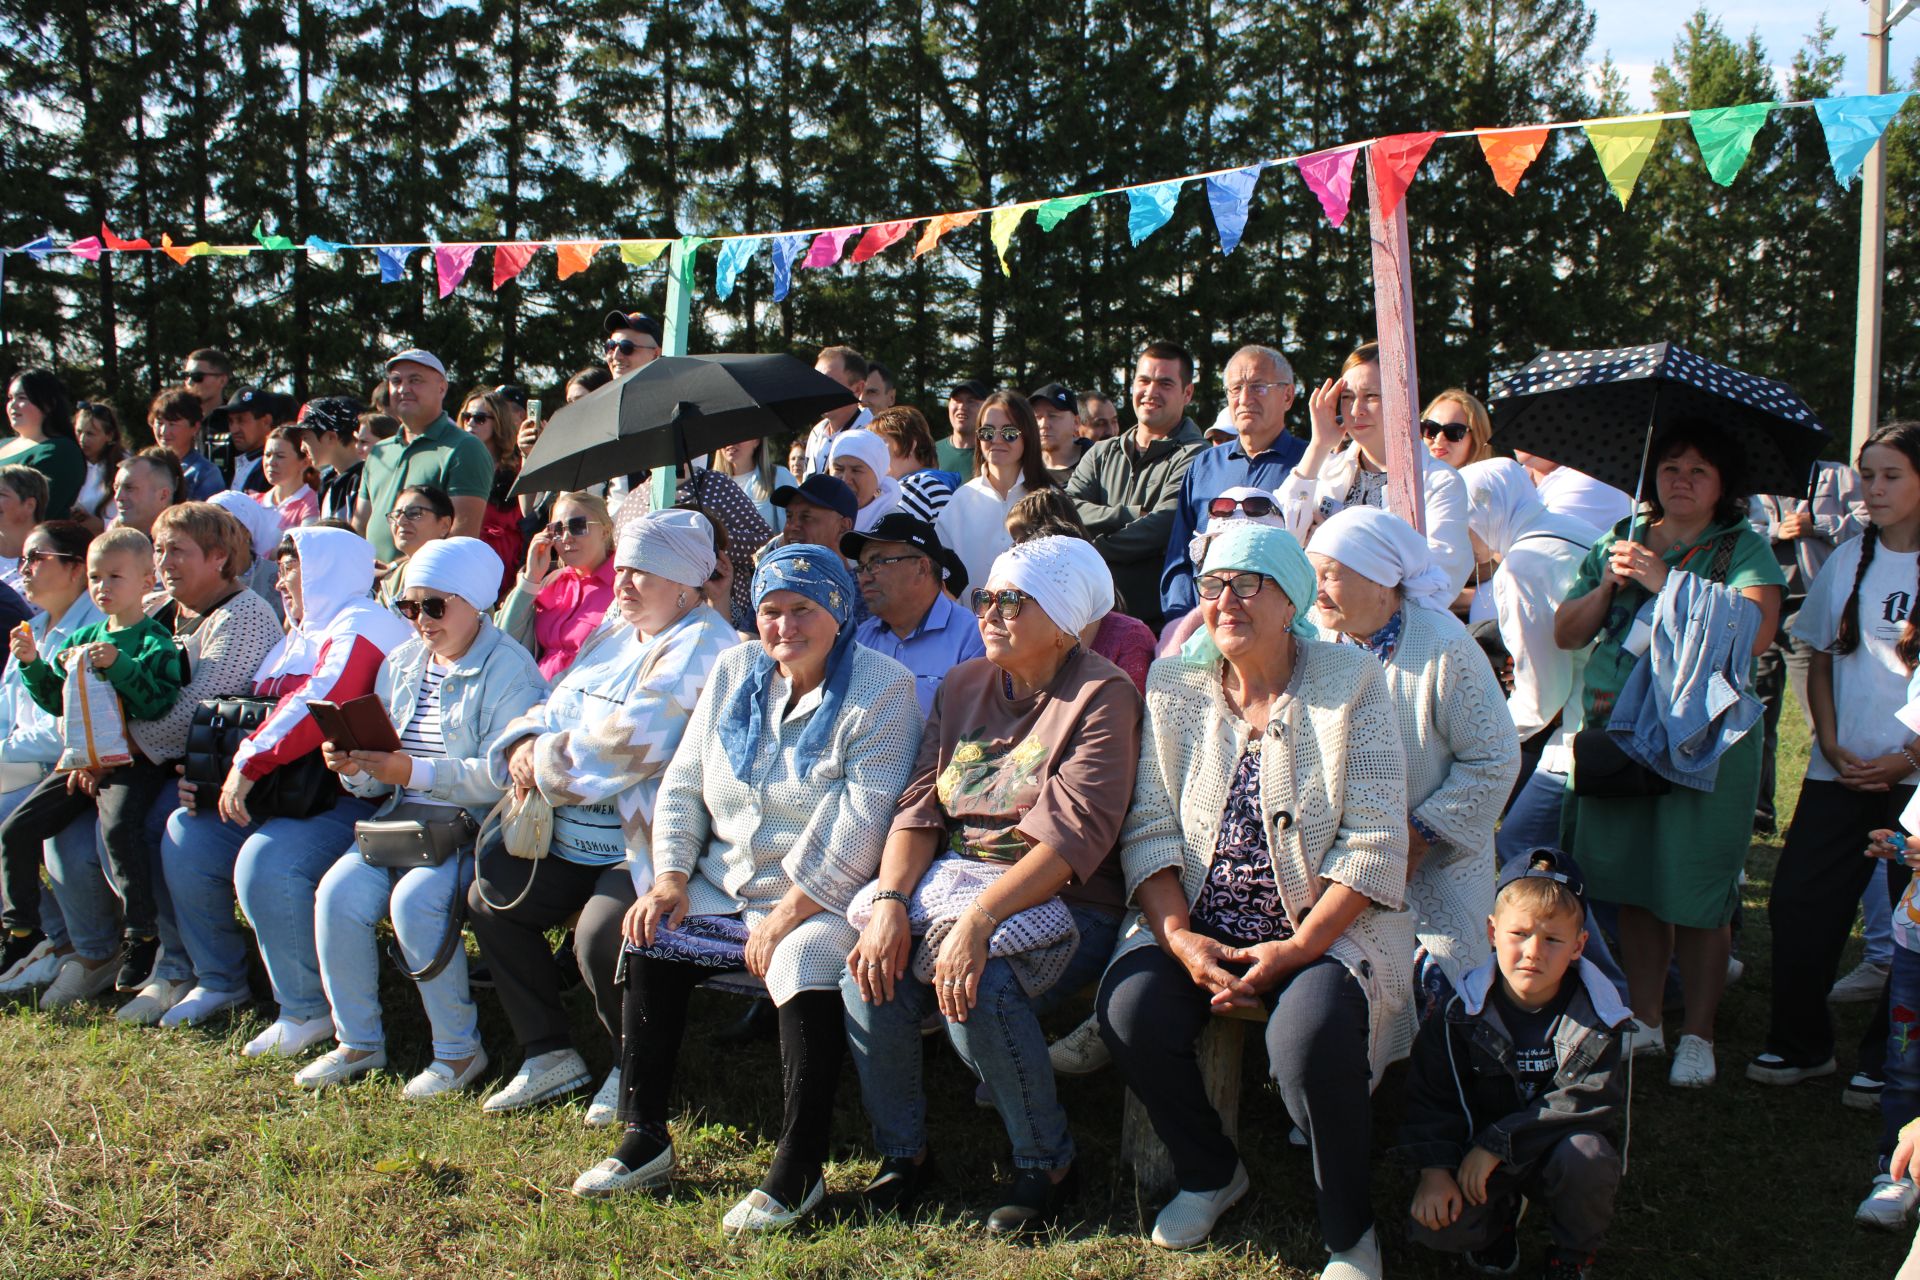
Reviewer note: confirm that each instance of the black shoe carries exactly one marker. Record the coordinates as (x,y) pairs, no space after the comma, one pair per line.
(1566,1264)
(1033,1202)
(759,1022)
(897,1187)
(1501,1255)
(136,967)
(18,947)
(1764,824)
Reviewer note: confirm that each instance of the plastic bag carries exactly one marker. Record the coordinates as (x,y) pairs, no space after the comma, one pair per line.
(94,726)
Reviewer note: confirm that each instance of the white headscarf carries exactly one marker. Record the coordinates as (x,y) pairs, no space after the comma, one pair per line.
(464,567)
(676,544)
(261,523)
(1502,502)
(864,446)
(1383,548)
(1065,576)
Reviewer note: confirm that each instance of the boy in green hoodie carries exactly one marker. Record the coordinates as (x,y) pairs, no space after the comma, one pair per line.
(138,657)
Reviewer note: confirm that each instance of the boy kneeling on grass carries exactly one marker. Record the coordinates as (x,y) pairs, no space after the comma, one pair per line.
(1515,1087)
(139,659)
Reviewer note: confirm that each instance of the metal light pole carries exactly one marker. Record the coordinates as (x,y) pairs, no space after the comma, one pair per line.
(1873,237)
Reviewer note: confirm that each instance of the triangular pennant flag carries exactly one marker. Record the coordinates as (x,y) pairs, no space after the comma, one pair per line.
(509,260)
(826,247)
(113,241)
(880,237)
(1510,151)
(314,244)
(393,262)
(1395,160)
(1329,175)
(689,246)
(1149,208)
(785,250)
(88,248)
(1852,126)
(181,254)
(1228,195)
(1052,212)
(1001,228)
(1725,135)
(270,242)
(228,250)
(577,256)
(734,255)
(939,226)
(641,253)
(451,263)
(1623,147)
(40,248)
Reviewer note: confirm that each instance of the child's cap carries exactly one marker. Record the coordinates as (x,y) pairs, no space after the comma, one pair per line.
(1544,863)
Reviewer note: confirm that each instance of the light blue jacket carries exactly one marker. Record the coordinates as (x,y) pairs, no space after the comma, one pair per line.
(30,739)
(494,681)
(1686,701)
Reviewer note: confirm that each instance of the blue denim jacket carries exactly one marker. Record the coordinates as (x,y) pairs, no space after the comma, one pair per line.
(1686,701)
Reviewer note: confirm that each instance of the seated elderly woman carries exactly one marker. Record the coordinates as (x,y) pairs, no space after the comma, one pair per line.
(1380,588)
(449,692)
(595,750)
(770,819)
(860,460)
(999,887)
(1266,854)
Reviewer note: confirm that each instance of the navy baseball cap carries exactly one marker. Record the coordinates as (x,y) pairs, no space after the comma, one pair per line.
(821,491)
(971,387)
(638,321)
(1544,863)
(898,526)
(253,400)
(1057,397)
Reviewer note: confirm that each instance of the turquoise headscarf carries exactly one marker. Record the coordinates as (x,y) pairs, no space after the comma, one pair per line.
(1245,547)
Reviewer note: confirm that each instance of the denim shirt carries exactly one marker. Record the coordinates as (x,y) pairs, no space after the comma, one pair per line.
(487,686)
(30,739)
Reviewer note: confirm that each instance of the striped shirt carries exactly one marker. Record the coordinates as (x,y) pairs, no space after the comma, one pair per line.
(422,737)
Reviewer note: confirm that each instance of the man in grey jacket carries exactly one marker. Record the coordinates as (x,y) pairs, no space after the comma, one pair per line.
(1127,487)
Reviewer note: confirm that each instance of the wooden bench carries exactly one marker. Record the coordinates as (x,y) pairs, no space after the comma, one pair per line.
(1220,1050)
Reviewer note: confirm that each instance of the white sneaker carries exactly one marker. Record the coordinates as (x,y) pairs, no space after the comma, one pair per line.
(1890,1204)
(77,981)
(1190,1217)
(1646,1041)
(286,1038)
(759,1211)
(1771,1068)
(610,1177)
(1080,1052)
(202,1003)
(1736,969)
(1693,1066)
(35,969)
(440,1079)
(1863,983)
(151,1003)
(605,1107)
(1362,1262)
(334,1067)
(547,1075)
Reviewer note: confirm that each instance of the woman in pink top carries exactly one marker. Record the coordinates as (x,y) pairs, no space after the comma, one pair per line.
(567,585)
(288,466)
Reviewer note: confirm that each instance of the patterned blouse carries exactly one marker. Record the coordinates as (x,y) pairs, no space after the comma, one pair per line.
(1239,901)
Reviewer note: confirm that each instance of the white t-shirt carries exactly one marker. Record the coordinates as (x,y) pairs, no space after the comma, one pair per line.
(1871,682)
(1567,492)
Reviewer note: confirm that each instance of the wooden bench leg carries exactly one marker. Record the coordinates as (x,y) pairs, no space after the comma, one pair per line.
(1141,1149)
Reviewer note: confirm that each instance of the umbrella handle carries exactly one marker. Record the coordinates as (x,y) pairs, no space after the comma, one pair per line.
(1646,455)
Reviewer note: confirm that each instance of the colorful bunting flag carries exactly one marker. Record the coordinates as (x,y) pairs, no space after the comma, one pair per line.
(577,256)
(785,250)
(1229,195)
(1329,175)
(270,242)
(826,247)
(1623,147)
(1852,126)
(1509,152)
(229,250)
(1150,208)
(939,226)
(88,248)
(181,254)
(114,242)
(316,245)
(509,260)
(734,255)
(41,249)
(1395,160)
(1725,135)
(393,262)
(1002,226)
(1052,211)
(641,253)
(451,263)
(880,237)
(683,258)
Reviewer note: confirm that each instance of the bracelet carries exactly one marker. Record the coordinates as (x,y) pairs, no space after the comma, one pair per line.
(992,919)
(1911,762)
(892,895)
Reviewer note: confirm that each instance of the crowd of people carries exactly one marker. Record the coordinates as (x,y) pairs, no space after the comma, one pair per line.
(914,730)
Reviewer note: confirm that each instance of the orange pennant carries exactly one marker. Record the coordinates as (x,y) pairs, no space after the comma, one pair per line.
(179,255)
(1510,151)
(113,241)
(578,256)
(939,226)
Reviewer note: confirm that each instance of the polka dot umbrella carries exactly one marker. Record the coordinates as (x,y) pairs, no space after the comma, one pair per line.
(1598,412)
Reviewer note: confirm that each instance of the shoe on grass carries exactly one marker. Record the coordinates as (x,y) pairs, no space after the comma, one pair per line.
(543,1076)
(1736,969)
(1693,1065)
(20,948)
(758,1211)
(36,968)
(200,1004)
(1771,1068)
(1889,1206)
(1361,1262)
(1080,1052)
(439,1079)
(610,1177)
(1500,1256)
(76,981)
(1190,1217)
(1033,1201)
(136,965)
(605,1107)
(290,1037)
(1566,1264)
(336,1066)
(1864,982)
(151,1002)
(1646,1040)
(1863,1092)
(897,1187)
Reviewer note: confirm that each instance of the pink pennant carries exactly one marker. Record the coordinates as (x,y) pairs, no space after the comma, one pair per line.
(113,241)
(1329,175)
(450,265)
(826,247)
(878,238)
(1395,160)
(509,260)
(88,248)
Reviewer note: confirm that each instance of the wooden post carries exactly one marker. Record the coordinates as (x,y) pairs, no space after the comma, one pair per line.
(1399,380)
(673,342)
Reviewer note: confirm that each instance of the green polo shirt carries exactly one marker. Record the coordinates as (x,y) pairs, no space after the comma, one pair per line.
(443,456)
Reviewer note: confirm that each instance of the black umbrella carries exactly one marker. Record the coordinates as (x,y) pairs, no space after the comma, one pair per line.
(1598,412)
(673,410)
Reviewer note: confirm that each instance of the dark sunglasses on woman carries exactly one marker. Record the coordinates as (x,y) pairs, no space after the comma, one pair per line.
(1255,507)
(1009,602)
(434,607)
(573,526)
(1454,432)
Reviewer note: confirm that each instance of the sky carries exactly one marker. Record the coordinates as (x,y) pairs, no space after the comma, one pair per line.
(1639,33)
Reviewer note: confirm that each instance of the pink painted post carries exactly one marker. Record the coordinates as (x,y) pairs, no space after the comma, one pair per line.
(1399,380)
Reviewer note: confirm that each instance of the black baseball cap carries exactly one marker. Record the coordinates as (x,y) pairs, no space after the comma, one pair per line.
(1544,863)
(1057,397)
(898,526)
(971,387)
(638,321)
(821,491)
(253,400)
(513,393)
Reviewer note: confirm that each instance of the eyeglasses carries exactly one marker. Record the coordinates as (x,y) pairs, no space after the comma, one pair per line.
(30,558)
(410,514)
(626,346)
(476,417)
(1008,434)
(1454,432)
(572,527)
(200,375)
(1253,388)
(434,607)
(1009,602)
(1245,585)
(1255,506)
(867,568)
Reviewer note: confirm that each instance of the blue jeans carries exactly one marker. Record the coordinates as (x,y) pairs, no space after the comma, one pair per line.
(1001,1041)
(353,899)
(1900,1100)
(82,912)
(272,868)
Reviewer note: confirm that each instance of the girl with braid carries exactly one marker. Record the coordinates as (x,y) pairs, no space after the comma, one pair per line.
(1859,621)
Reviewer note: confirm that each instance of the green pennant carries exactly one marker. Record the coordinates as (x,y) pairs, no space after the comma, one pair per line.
(270,242)
(1623,147)
(689,246)
(1725,135)
(1050,212)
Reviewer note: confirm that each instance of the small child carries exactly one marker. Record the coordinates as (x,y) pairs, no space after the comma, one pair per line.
(139,659)
(1514,1087)
(1891,1200)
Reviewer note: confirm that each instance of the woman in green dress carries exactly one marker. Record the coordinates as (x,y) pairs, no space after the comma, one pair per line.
(40,414)
(1672,862)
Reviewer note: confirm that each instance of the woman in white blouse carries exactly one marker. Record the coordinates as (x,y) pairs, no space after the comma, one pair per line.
(1007,467)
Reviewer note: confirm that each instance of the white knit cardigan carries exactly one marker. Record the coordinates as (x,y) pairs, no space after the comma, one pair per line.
(1333,801)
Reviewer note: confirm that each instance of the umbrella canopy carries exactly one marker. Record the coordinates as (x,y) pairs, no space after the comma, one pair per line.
(1596,411)
(673,410)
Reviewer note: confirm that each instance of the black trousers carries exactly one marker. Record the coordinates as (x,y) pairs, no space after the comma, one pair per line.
(516,948)
(127,793)
(1576,1182)
(1816,889)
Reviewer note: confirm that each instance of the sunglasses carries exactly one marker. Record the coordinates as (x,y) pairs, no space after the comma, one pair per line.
(1009,602)
(200,375)
(476,417)
(1008,434)
(434,607)
(1244,585)
(37,557)
(408,515)
(1453,431)
(1255,507)
(572,527)
(626,346)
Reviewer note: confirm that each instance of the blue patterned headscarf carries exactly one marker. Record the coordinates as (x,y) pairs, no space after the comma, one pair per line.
(821,576)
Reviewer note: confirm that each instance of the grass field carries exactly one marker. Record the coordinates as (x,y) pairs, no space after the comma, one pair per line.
(142,1153)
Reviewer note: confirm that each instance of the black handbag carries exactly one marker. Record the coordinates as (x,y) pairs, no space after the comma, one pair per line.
(1602,770)
(415,835)
(297,790)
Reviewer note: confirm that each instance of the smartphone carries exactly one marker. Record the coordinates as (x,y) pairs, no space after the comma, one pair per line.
(357,725)
(533,411)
